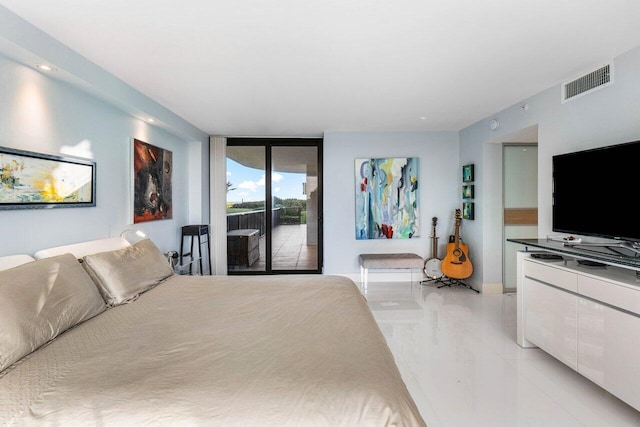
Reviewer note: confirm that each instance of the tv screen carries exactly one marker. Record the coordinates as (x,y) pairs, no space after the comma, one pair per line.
(595,191)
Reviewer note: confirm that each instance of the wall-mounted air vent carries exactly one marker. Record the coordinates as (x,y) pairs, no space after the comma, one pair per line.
(602,77)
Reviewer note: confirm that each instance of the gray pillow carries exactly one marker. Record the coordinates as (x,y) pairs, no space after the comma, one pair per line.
(39,301)
(123,274)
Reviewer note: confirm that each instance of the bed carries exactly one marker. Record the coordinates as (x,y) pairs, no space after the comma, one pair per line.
(104,333)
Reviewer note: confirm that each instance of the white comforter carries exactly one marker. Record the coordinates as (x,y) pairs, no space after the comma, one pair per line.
(228,351)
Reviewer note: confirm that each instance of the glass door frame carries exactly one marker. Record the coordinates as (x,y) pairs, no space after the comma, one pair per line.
(269,143)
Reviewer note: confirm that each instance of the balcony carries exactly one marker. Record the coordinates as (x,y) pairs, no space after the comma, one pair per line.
(291,250)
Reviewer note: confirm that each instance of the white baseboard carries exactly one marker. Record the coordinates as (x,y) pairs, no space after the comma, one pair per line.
(492,288)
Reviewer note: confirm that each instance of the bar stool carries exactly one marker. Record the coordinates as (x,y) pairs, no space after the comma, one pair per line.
(203,235)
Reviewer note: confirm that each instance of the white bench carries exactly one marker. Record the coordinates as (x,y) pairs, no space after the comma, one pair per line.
(388,261)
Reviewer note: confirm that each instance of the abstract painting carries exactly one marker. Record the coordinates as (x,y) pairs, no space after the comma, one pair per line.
(467,191)
(467,173)
(33,180)
(387,198)
(152,182)
(468,210)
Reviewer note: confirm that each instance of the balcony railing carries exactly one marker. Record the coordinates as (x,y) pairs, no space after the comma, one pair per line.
(256,219)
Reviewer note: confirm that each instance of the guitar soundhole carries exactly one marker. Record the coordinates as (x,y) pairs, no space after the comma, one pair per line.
(458,253)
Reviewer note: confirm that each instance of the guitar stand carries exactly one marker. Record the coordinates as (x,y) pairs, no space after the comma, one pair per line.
(446,281)
(438,280)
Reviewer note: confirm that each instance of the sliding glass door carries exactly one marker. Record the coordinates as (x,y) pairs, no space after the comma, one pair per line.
(246,208)
(274,206)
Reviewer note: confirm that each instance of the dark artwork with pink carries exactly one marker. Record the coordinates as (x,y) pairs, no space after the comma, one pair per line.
(152,182)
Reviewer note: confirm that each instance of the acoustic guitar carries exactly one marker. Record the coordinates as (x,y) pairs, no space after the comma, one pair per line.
(456,264)
(432,268)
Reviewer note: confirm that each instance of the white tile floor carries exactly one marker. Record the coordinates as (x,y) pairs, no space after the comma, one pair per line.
(457,353)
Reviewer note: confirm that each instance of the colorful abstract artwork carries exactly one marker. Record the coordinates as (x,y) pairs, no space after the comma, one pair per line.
(467,173)
(387,198)
(152,182)
(468,210)
(33,180)
(468,191)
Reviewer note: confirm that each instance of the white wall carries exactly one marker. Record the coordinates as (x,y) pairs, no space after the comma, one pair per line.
(39,113)
(605,117)
(439,185)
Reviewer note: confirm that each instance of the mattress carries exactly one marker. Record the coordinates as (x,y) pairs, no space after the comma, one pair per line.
(217,350)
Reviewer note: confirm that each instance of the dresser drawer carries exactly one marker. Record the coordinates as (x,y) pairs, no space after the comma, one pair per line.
(551,275)
(610,293)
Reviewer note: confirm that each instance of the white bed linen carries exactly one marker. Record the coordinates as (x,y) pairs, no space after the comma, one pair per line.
(215,350)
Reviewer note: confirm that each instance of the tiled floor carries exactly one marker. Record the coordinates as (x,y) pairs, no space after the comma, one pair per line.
(457,353)
(290,250)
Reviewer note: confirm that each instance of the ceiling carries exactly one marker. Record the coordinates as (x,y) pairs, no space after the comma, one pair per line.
(301,67)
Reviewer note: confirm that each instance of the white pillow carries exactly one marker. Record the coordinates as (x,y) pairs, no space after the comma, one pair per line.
(123,274)
(40,300)
(80,250)
(11,261)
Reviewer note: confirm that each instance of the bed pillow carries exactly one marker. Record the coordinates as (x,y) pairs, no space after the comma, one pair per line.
(123,274)
(84,248)
(40,300)
(7,262)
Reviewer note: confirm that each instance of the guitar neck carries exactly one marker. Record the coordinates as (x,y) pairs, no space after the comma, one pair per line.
(434,239)
(457,230)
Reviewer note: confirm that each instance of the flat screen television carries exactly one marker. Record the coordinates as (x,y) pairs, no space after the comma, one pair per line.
(595,192)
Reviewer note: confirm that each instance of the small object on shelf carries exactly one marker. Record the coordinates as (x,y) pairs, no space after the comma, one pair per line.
(565,239)
(590,263)
(546,256)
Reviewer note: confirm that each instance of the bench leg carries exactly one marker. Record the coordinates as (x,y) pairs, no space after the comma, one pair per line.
(364,275)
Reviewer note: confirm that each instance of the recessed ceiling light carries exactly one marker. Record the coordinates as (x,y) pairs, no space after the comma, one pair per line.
(150,120)
(45,67)
(423,118)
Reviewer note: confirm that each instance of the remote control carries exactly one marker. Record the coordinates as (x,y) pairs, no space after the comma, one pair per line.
(546,256)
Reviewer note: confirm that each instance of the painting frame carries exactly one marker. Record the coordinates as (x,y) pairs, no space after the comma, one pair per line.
(467,173)
(151,182)
(387,198)
(468,210)
(468,191)
(32,180)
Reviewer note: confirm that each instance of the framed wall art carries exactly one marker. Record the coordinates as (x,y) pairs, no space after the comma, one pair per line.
(467,191)
(30,180)
(467,210)
(387,198)
(152,192)
(467,173)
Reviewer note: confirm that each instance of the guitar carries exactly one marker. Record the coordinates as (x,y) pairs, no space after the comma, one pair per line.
(456,264)
(432,267)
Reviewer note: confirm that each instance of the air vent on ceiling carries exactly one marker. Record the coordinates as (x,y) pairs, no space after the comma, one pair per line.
(594,80)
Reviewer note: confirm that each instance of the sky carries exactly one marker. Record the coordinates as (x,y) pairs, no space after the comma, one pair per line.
(249,184)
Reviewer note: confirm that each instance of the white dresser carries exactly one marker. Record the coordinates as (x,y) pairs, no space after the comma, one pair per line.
(586,317)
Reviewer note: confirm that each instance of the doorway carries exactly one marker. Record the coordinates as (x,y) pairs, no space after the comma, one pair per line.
(520,201)
(274,205)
